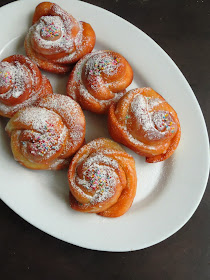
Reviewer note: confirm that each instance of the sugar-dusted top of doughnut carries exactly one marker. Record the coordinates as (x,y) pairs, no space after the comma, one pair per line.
(102,62)
(145,114)
(42,131)
(5,109)
(70,112)
(56,32)
(37,118)
(99,176)
(16,76)
(20,80)
(102,180)
(96,65)
(99,171)
(156,123)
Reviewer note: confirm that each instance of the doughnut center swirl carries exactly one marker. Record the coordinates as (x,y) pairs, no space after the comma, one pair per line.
(15,82)
(100,73)
(145,123)
(41,134)
(102,179)
(97,178)
(55,33)
(51,31)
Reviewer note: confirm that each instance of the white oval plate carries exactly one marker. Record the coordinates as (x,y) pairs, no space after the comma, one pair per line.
(168,192)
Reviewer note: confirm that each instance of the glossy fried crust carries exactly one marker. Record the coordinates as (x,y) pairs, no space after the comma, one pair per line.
(144,122)
(102,179)
(99,79)
(45,136)
(21,84)
(56,39)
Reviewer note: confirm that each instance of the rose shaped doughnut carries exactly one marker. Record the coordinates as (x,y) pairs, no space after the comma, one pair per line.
(102,179)
(44,137)
(99,79)
(56,39)
(21,84)
(144,122)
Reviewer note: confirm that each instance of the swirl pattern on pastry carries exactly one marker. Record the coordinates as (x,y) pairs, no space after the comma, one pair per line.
(102,179)
(99,79)
(144,122)
(44,137)
(56,39)
(21,84)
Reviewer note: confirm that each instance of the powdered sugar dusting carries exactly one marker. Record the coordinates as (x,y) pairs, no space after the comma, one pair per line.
(37,118)
(102,62)
(63,42)
(100,157)
(78,46)
(156,124)
(45,134)
(94,68)
(141,106)
(67,19)
(99,176)
(137,142)
(89,96)
(70,112)
(53,34)
(102,181)
(58,162)
(14,76)
(10,110)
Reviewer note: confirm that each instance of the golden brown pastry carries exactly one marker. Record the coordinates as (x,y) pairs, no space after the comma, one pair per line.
(45,136)
(99,79)
(56,39)
(102,179)
(144,122)
(21,84)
